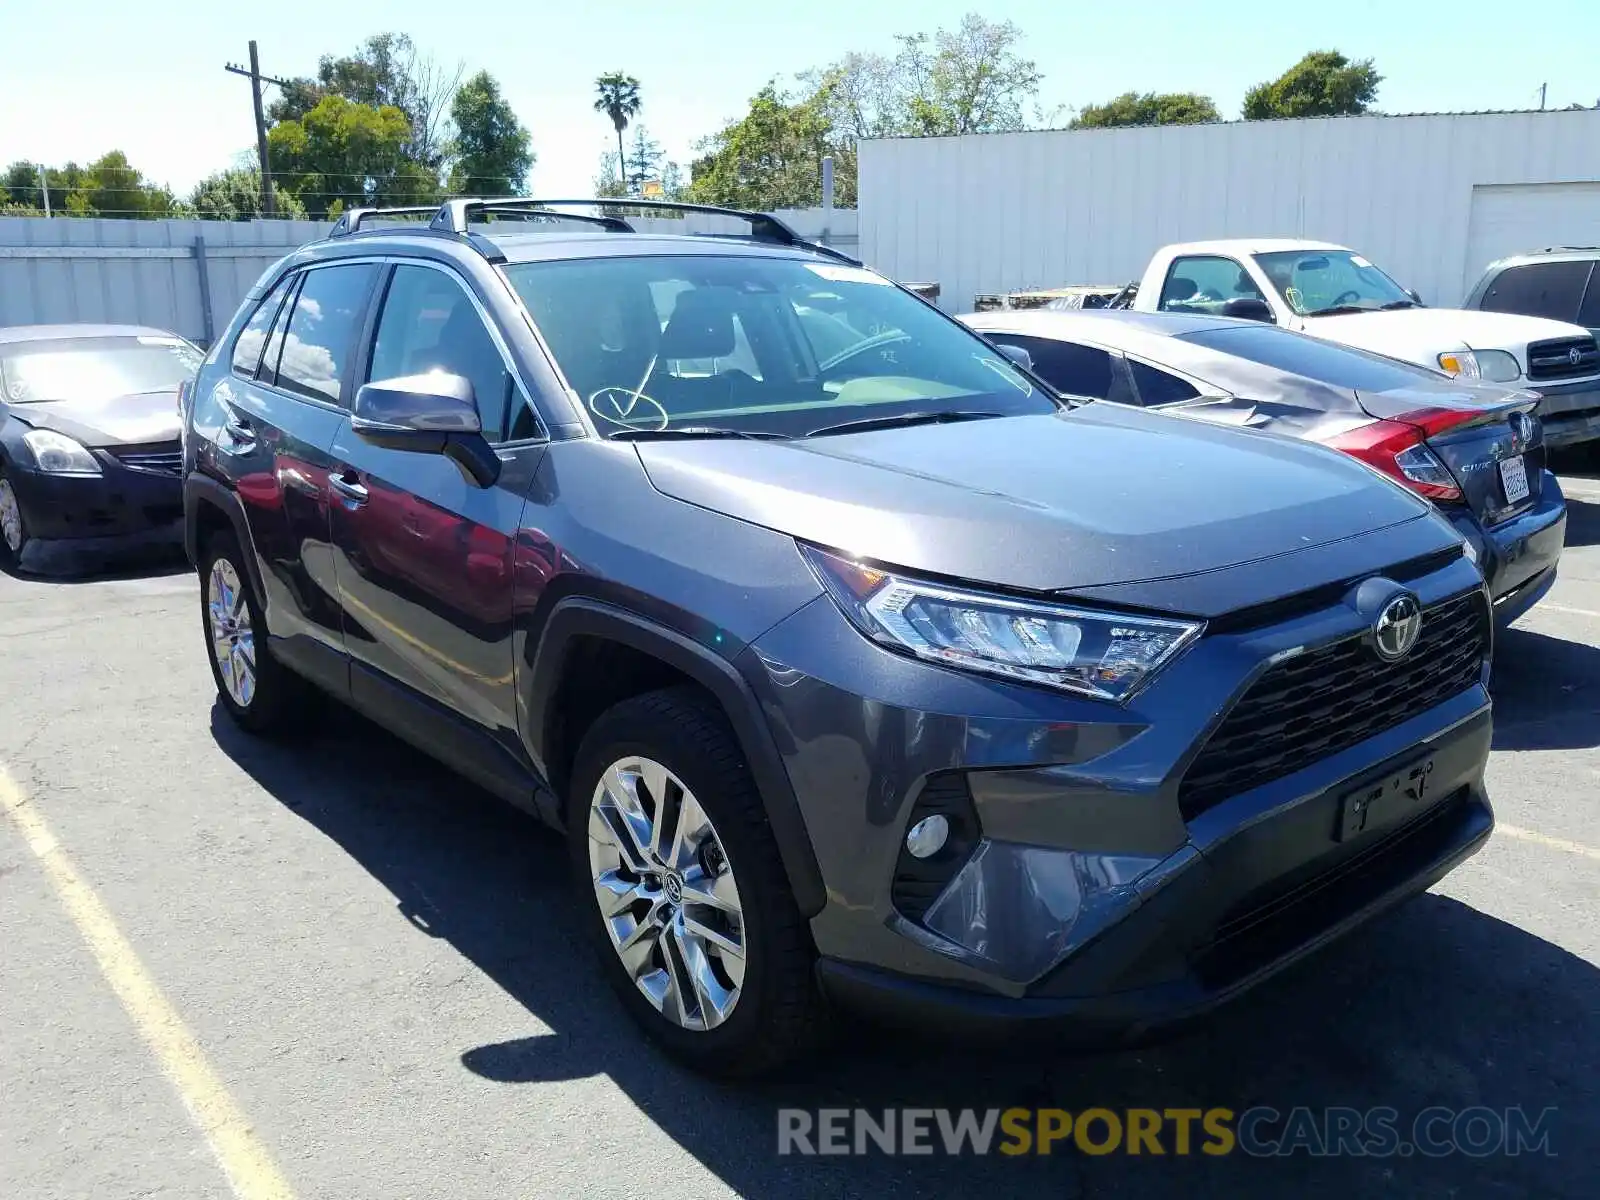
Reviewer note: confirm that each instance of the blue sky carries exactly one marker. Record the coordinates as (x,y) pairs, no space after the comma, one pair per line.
(86,77)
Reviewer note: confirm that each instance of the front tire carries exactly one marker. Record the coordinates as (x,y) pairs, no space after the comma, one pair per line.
(258,692)
(13,528)
(683,891)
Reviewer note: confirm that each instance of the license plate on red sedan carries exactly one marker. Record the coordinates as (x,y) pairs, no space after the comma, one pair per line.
(1386,801)
(1514,478)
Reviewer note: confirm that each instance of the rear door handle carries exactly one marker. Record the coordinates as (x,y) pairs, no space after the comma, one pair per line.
(352,490)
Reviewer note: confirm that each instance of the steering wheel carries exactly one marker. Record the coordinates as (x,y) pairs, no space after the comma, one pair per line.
(879,342)
(1348,297)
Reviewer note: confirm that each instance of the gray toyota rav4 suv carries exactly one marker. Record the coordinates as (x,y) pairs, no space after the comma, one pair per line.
(859,669)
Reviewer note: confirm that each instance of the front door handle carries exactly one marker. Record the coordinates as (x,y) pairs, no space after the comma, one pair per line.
(354,492)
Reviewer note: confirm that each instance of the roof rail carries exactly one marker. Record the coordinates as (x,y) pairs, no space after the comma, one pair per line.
(350,220)
(1561,249)
(456,216)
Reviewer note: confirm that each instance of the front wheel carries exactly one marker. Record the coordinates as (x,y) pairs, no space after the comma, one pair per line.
(258,692)
(13,529)
(682,887)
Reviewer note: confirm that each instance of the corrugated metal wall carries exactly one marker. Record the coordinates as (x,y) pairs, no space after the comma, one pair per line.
(997,212)
(151,272)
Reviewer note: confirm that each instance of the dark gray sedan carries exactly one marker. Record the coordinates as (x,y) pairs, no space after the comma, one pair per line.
(1476,451)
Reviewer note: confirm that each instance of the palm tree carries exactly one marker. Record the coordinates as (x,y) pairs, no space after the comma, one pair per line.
(617,96)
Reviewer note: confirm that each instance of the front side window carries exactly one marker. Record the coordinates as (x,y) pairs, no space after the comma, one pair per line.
(1204,283)
(322,328)
(1069,367)
(1547,289)
(94,368)
(430,324)
(253,337)
(1317,283)
(762,345)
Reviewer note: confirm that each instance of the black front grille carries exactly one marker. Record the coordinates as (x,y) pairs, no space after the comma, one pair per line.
(1563,358)
(1328,699)
(157,460)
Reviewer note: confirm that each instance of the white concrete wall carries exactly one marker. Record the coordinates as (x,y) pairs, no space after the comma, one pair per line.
(997,212)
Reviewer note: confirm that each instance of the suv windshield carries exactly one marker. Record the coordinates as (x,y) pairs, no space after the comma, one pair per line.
(1314,282)
(759,345)
(93,368)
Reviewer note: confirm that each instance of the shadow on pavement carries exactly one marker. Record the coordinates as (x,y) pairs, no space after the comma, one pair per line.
(1583,523)
(1546,692)
(1436,1004)
(63,563)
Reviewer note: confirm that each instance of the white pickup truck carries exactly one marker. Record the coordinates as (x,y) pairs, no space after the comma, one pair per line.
(1333,292)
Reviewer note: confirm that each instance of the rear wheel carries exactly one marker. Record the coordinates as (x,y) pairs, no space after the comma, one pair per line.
(259,693)
(13,529)
(683,891)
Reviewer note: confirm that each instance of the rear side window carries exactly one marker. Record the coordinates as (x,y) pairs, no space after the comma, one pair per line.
(1157,387)
(1546,289)
(247,347)
(321,333)
(1313,358)
(430,324)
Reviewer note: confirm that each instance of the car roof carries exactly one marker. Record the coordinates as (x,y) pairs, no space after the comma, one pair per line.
(1118,329)
(1548,254)
(546,247)
(1249,246)
(48,333)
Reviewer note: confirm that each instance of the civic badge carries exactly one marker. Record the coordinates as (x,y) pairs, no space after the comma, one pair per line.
(1397,628)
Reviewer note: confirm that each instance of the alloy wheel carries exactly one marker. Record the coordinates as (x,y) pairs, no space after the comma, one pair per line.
(667,894)
(232,637)
(10,517)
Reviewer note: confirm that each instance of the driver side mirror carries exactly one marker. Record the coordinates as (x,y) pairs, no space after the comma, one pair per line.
(435,413)
(1249,308)
(1016,354)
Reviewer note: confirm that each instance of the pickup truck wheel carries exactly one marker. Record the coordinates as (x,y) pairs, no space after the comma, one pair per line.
(683,891)
(258,692)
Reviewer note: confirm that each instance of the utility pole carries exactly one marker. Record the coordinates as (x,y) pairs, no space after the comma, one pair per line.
(268,204)
(1542,88)
(44,187)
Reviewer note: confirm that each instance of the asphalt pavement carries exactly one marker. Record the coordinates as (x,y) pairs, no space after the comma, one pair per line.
(233,968)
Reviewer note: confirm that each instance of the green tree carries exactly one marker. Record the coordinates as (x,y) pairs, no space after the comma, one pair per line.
(386,70)
(966,80)
(112,187)
(1322,84)
(617,97)
(772,157)
(1151,108)
(235,195)
(350,154)
(491,149)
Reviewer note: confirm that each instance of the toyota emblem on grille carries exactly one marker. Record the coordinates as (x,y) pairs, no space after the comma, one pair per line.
(1575,356)
(1397,628)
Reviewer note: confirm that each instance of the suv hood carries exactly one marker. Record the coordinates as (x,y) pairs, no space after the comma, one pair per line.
(1102,495)
(108,421)
(1420,334)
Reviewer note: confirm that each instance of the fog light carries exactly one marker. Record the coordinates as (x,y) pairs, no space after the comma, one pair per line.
(927,836)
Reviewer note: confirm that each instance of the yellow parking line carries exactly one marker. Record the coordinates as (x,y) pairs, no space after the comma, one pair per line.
(249,1168)
(1550,843)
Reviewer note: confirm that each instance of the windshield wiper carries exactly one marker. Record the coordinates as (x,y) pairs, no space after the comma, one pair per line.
(1393,304)
(695,431)
(867,424)
(1339,310)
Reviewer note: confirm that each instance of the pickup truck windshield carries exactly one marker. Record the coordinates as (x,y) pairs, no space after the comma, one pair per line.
(709,344)
(1325,282)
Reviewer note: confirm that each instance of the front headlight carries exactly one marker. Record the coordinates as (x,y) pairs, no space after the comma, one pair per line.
(1459,363)
(1105,655)
(57,454)
(1497,366)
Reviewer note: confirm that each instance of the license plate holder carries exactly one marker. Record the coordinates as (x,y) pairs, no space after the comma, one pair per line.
(1514,478)
(1386,801)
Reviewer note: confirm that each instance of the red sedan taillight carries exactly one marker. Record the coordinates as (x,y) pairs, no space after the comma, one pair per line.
(1398,447)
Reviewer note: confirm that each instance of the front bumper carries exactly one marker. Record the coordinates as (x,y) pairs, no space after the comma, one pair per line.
(1570,412)
(1519,557)
(120,503)
(1232,894)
